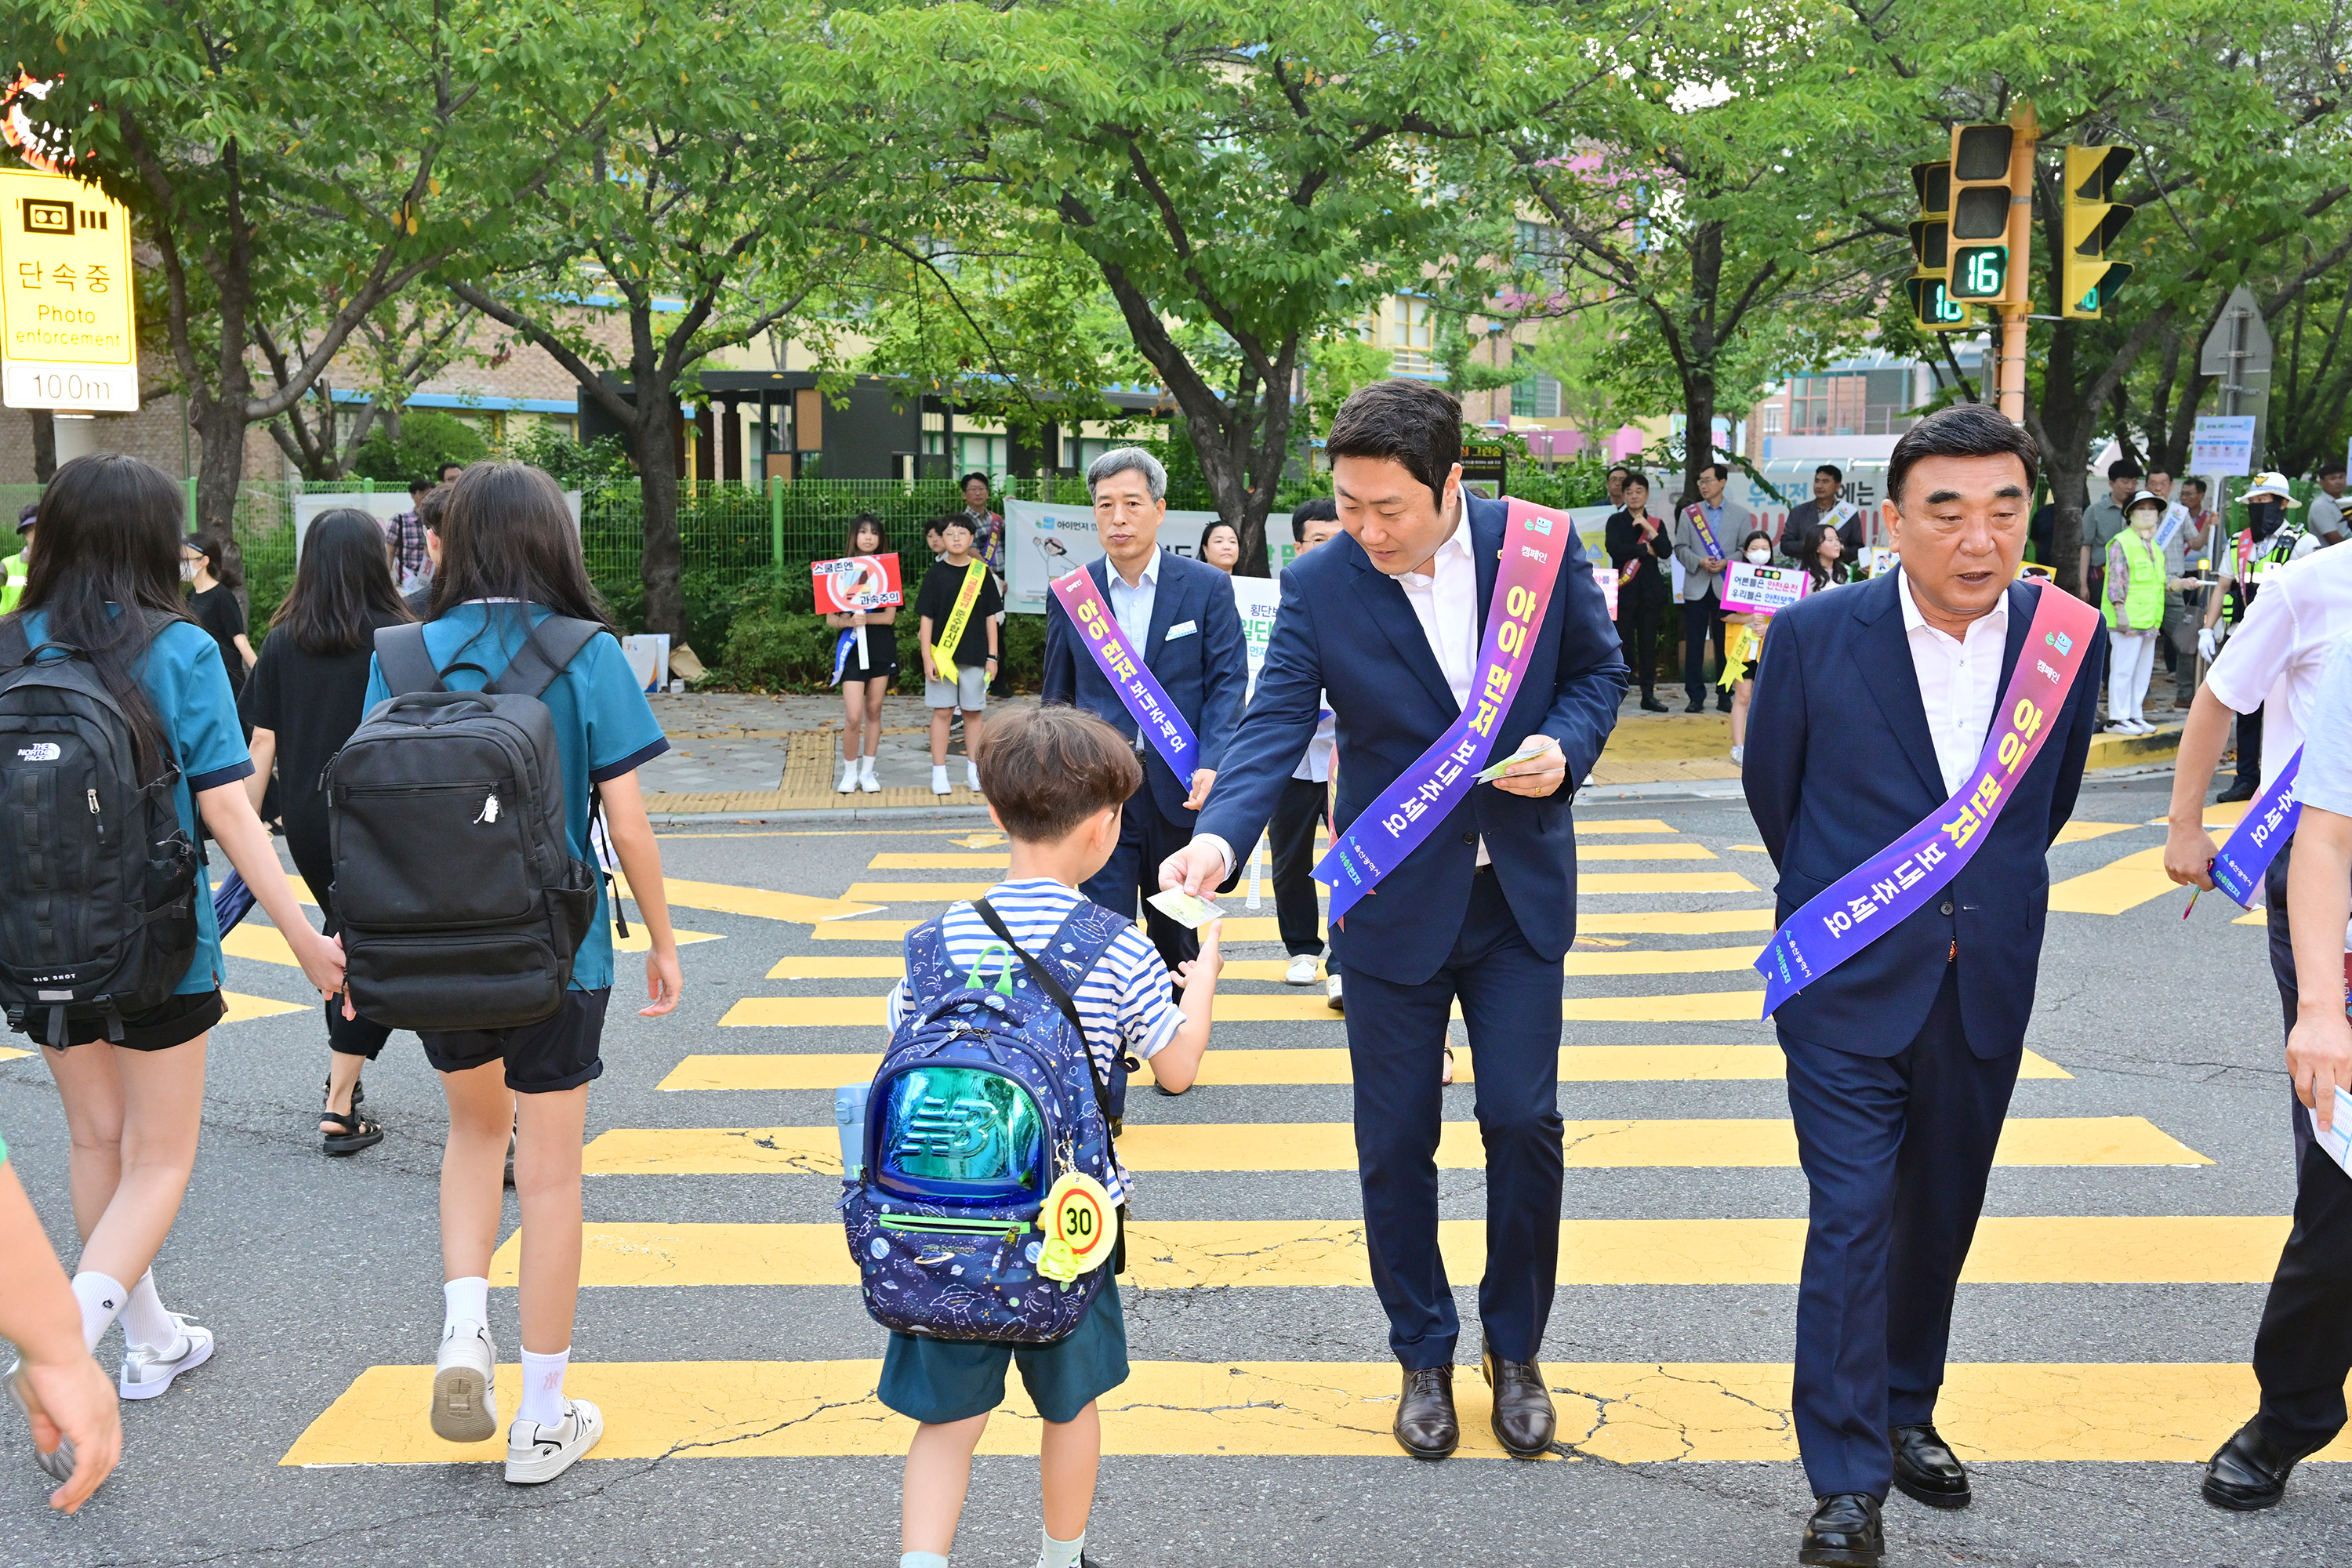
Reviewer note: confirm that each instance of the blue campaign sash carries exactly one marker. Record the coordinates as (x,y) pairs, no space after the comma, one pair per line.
(2239,864)
(1885,890)
(1155,715)
(1698,514)
(841,647)
(1408,811)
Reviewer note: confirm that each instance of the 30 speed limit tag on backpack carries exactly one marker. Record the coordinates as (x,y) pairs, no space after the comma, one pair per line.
(1081,1227)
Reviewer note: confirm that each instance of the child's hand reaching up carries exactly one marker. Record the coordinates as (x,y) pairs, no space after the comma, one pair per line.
(1211,961)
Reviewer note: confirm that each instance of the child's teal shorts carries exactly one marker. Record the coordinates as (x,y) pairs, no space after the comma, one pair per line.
(939,1381)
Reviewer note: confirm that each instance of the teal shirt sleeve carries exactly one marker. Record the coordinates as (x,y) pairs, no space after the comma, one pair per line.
(623,733)
(188,682)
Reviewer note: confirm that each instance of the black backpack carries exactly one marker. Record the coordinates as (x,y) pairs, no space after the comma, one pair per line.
(460,903)
(97,883)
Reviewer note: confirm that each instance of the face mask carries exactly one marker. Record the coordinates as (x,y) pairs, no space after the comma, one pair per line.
(1759,555)
(187,571)
(2144,523)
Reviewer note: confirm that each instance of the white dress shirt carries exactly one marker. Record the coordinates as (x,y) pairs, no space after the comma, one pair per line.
(1131,607)
(1445,599)
(2278,649)
(1960,681)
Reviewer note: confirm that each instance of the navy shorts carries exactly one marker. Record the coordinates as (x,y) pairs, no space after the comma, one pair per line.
(939,1381)
(557,1053)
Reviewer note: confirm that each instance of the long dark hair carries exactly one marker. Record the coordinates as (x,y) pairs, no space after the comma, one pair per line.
(1809,556)
(508,535)
(110,535)
(866,523)
(342,587)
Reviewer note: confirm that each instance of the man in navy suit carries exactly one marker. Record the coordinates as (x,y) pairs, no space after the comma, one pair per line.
(1387,620)
(1872,704)
(1180,615)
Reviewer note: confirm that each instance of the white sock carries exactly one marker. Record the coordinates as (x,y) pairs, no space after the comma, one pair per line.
(865,767)
(542,1386)
(144,1321)
(939,775)
(971,771)
(921,1559)
(465,1302)
(102,1297)
(1061,1553)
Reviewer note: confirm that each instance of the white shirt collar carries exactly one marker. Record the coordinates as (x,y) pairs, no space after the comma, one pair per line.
(1458,541)
(1913,620)
(1150,579)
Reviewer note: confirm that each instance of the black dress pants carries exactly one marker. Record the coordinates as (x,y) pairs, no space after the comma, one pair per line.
(1702,619)
(1291,837)
(1637,634)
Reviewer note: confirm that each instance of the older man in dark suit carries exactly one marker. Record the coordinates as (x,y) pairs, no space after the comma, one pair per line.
(1872,705)
(1387,620)
(1180,615)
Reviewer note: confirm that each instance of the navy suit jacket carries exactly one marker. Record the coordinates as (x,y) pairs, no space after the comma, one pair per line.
(1345,628)
(1206,672)
(1840,763)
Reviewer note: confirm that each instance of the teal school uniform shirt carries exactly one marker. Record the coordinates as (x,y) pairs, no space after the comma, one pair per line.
(188,687)
(603,727)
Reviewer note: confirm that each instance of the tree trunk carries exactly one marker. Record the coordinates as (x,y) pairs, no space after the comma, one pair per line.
(220,473)
(2061,425)
(660,564)
(1699,436)
(45,445)
(1243,473)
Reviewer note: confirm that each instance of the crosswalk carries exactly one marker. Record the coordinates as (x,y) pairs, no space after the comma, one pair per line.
(1658,992)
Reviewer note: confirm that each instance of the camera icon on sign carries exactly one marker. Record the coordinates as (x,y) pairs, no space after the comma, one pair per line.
(44,216)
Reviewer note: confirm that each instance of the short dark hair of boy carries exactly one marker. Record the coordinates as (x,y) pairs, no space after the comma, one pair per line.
(1413,422)
(1322,509)
(1047,770)
(1963,430)
(431,507)
(1633,478)
(2124,469)
(960,522)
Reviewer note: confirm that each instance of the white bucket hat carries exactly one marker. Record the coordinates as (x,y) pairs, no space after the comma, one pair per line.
(2272,485)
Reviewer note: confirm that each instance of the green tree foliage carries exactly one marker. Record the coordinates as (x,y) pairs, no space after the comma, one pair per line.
(1245,177)
(427,440)
(292,157)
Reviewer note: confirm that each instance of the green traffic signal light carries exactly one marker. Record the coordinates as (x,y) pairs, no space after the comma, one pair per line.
(1980,271)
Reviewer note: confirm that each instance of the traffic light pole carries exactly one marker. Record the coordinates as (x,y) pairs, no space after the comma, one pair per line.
(2018,302)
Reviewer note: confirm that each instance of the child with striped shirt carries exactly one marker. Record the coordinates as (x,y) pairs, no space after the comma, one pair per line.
(1055,779)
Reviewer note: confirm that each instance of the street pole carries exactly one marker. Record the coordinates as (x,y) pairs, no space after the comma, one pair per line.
(2017,302)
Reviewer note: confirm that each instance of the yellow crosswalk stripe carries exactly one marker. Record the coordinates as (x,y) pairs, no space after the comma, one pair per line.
(1644,852)
(1674,922)
(1664,882)
(10,1052)
(1586,882)
(1621,1412)
(243,1008)
(1712,1142)
(1185,1255)
(1587,828)
(1308,1065)
(759,903)
(1739,1006)
(2083,832)
(2117,887)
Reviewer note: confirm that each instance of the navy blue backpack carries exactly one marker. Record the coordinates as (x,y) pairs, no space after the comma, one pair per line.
(986,1095)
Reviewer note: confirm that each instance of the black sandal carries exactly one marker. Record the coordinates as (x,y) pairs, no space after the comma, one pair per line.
(358,1132)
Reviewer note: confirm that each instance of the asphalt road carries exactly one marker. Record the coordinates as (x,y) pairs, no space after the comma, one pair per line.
(312,1271)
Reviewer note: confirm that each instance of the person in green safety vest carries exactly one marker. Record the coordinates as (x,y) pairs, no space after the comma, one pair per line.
(2134,589)
(16,568)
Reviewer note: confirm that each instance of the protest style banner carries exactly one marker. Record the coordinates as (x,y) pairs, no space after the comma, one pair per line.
(1604,577)
(1256,599)
(1750,589)
(1045,540)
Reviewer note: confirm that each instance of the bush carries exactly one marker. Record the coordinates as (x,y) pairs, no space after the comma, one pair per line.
(776,641)
(427,441)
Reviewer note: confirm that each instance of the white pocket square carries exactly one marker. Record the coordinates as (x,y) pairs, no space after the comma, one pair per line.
(1181,630)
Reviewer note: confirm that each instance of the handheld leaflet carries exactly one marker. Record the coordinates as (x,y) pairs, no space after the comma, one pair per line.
(1081,1227)
(1533,746)
(1188,910)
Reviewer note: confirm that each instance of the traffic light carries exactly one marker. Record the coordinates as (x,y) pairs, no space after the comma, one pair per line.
(2092,224)
(1980,221)
(1932,306)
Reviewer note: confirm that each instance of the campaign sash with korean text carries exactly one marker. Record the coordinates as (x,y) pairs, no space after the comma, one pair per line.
(1698,514)
(2239,864)
(1886,889)
(1156,717)
(1408,811)
(950,636)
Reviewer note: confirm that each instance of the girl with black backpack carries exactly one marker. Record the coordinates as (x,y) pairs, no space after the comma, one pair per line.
(511,560)
(103,609)
(303,701)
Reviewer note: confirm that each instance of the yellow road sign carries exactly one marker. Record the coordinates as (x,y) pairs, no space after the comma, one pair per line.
(66,335)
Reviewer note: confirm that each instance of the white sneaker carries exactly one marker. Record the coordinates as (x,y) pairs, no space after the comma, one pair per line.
(939,784)
(148,1370)
(971,774)
(848,780)
(1331,995)
(866,779)
(1301,970)
(58,1463)
(537,1453)
(464,1384)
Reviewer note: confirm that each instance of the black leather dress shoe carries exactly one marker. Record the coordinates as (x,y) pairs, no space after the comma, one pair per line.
(2241,790)
(2250,1471)
(1925,1470)
(1844,1533)
(1523,1418)
(1426,1427)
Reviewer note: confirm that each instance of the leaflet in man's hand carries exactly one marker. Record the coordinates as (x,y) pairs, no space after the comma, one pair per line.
(1186,910)
(2337,1139)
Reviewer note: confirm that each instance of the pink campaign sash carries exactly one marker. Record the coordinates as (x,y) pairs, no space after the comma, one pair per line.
(1408,811)
(1155,718)
(1885,890)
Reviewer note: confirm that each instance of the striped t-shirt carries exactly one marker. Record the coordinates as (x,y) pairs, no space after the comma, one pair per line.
(1124,1002)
